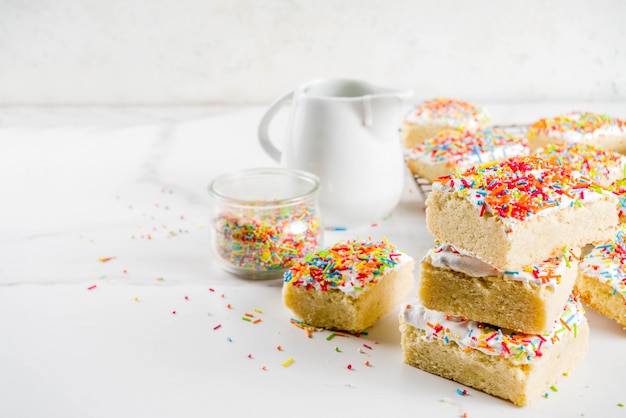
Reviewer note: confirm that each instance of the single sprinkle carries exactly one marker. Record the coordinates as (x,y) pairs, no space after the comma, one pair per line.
(256,321)
(279,348)
(330,336)
(257,310)
(245,318)
(349,366)
(93,286)
(217,327)
(554,388)
(288,362)
(337,349)
(367,346)
(230,340)
(105,259)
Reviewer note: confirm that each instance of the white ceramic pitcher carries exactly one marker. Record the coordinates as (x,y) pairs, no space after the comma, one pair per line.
(346,132)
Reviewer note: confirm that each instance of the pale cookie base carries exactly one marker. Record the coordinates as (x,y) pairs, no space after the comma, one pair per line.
(414,134)
(453,219)
(600,297)
(334,309)
(610,143)
(502,302)
(503,377)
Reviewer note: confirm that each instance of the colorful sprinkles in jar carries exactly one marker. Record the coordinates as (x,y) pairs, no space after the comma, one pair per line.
(264,220)
(266,239)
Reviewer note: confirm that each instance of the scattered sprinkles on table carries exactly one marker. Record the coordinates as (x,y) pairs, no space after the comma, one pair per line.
(267,239)
(578,125)
(599,165)
(449,112)
(520,187)
(350,265)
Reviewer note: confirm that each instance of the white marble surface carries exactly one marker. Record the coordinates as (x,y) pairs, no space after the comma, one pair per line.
(119,52)
(150,332)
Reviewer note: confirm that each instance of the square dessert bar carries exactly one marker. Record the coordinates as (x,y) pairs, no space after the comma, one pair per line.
(348,286)
(596,129)
(453,150)
(602,278)
(528,300)
(513,366)
(427,118)
(519,211)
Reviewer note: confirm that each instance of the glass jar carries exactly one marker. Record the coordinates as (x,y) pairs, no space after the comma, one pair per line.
(262,221)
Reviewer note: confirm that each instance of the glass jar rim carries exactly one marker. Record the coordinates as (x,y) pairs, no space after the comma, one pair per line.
(308,177)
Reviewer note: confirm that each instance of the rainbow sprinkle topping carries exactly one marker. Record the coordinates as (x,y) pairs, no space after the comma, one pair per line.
(455,147)
(450,112)
(580,124)
(606,262)
(351,266)
(597,164)
(488,339)
(520,187)
(619,189)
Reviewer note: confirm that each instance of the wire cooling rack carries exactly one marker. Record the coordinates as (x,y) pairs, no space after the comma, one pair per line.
(424,186)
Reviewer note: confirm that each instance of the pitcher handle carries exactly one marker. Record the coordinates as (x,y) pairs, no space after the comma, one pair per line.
(263,132)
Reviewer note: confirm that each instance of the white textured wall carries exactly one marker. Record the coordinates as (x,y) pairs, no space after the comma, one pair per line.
(250,51)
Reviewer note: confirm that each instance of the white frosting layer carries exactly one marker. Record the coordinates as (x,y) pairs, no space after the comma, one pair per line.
(478,157)
(578,129)
(448,257)
(606,263)
(472,335)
